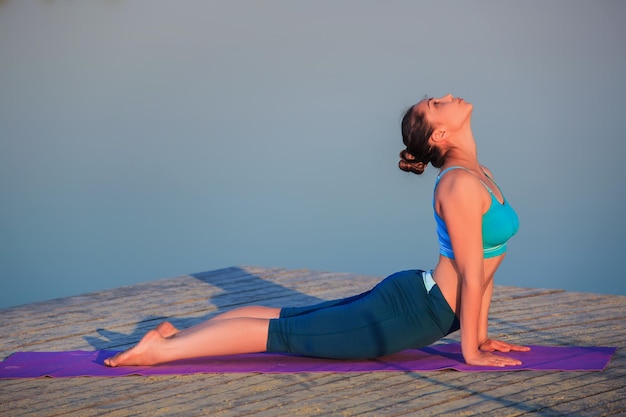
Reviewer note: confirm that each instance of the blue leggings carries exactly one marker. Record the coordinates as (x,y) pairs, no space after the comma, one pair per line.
(398,313)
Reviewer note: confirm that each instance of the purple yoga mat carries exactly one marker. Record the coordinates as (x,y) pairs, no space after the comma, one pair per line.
(433,358)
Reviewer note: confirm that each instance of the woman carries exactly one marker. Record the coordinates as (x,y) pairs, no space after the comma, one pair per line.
(409,309)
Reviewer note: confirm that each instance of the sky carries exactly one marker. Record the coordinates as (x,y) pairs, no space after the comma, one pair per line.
(148,139)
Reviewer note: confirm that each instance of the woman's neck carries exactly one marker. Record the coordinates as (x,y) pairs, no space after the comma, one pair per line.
(462,152)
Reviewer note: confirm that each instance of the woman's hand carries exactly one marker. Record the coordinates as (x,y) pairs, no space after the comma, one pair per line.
(490,345)
(481,358)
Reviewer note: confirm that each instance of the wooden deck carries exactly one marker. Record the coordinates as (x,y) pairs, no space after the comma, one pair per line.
(117,318)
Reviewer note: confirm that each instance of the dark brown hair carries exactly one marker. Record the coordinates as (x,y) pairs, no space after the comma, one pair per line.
(418,153)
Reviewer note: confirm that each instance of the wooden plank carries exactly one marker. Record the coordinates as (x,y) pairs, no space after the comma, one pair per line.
(119,317)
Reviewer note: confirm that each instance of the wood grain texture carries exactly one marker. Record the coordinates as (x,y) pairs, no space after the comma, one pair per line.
(117,318)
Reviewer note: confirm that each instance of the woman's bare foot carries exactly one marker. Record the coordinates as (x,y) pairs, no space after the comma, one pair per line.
(166,329)
(146,352)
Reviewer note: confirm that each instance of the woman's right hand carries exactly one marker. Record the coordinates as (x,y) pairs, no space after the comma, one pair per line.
(480,358)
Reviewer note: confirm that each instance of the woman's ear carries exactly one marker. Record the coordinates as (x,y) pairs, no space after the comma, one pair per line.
(439,135)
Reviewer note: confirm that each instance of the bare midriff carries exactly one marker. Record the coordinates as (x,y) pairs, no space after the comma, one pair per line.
(448,279)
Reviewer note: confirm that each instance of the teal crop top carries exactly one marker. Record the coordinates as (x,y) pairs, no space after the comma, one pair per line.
(500,223)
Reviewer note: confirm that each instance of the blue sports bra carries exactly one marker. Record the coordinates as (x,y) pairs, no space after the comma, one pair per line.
(499,224)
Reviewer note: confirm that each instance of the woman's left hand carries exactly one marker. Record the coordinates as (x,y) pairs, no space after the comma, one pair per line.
(491,345)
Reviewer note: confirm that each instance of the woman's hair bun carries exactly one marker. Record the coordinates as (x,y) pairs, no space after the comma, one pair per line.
(408,163)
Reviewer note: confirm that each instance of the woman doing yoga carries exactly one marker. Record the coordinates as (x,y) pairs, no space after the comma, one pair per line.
(409,309)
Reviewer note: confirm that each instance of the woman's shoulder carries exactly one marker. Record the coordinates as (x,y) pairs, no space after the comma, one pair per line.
(459,183)
(462,190)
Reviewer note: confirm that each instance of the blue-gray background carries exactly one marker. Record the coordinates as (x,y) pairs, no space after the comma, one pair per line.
(147,139)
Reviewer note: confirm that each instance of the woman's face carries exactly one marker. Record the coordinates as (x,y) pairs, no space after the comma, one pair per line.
(447,111)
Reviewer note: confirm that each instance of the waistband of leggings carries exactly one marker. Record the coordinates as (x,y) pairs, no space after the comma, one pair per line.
(429,282)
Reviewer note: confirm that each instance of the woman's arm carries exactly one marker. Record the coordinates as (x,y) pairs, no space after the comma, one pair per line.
(461,201)
(483,321)
(486,344)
